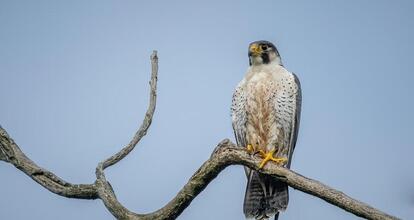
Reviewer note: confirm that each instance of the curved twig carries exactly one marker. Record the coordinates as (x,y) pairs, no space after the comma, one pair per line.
(142,131)
(105,190)
(225,154)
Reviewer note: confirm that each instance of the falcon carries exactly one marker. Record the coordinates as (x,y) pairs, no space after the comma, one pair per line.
(265,117)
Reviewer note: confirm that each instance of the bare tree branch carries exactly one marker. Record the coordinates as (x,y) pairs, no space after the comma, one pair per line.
(225,154)
(228,154)
(142,131)
(105,190)
(11,153)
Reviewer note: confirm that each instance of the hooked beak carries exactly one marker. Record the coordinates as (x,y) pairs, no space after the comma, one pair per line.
(255,50)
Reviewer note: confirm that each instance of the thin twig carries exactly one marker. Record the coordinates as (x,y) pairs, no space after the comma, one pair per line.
(105,191)
(142,131)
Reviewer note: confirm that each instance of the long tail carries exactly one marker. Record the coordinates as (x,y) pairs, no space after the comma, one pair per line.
(265,196)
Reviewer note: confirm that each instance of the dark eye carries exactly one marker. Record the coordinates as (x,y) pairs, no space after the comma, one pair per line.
(264,47)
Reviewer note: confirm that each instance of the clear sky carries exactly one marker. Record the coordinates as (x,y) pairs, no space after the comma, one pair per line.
(74,89)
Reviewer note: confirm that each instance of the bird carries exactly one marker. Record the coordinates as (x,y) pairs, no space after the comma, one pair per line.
(265,115)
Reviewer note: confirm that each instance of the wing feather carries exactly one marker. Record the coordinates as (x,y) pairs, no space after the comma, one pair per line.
(296,121)
(239,117)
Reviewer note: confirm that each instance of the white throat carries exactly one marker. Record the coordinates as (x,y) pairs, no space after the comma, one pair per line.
(274,60)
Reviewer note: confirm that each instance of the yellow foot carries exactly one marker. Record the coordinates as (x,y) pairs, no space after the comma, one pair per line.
(269,156)
(250,148)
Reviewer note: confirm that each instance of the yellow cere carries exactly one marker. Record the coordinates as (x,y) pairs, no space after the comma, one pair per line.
(255,49)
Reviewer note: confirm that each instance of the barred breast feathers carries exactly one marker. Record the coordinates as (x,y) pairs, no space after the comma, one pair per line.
(269,102)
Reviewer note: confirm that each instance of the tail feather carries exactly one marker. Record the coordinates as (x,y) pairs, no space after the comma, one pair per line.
(265,196)
(254,197)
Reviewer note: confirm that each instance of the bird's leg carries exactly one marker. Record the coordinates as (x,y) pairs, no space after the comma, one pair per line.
(250,148)
(269,156)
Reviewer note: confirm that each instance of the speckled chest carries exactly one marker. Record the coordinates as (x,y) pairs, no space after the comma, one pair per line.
(273,86)
(270,106)
(263,106)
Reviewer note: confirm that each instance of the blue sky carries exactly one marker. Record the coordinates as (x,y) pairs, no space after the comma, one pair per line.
(74,88)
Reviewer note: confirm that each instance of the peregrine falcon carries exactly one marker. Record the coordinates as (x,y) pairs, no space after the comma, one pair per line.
(265,117)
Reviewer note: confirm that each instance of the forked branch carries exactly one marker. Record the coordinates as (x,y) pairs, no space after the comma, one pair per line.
(226,154)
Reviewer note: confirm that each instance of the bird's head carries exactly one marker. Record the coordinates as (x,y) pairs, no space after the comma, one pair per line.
(263,52)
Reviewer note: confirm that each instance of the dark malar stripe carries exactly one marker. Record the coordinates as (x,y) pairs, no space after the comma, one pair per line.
(265,58)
